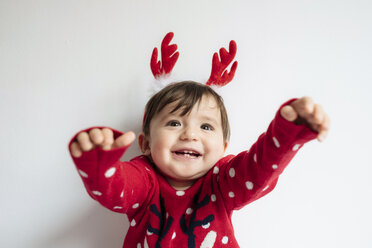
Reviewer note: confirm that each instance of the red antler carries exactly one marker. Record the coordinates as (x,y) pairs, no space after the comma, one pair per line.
(220,76)
(168,57)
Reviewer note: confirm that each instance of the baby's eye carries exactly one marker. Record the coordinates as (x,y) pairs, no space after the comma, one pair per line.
(173,123)
(207,127)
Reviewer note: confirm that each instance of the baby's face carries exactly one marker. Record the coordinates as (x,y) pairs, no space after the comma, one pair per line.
(185,147)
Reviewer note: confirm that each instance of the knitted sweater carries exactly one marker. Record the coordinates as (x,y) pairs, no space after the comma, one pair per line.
(200,216)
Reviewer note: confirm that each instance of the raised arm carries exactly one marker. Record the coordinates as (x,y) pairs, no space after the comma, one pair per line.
(254,173)
(117,185)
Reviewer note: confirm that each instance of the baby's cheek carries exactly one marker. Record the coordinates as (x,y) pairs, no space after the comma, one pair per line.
(217,153)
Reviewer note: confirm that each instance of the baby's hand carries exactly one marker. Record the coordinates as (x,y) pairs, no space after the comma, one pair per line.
(103,138)
(305,111)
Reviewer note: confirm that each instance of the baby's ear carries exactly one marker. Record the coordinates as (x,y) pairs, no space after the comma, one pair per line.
(144,144)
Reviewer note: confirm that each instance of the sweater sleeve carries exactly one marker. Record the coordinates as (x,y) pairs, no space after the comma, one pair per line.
(252,174)
(118,186)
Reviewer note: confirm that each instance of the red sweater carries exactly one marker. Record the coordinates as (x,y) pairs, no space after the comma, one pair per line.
(200,216)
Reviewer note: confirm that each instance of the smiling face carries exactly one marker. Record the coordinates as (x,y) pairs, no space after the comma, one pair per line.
(185,146)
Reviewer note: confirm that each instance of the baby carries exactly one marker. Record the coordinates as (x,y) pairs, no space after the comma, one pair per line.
(182,191)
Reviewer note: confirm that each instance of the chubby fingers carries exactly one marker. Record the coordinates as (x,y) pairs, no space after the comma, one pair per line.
(75,150)
(107,139)
(323,127)
(103,138)
(88,141)
(318,120)
(81,144)
(124,140)
(289,113)
(310,113)
(304,107)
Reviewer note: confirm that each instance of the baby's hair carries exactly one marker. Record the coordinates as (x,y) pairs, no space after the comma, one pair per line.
(186,94)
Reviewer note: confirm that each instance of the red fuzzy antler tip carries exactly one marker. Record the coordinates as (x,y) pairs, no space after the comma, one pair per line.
(219,76)
(169,57)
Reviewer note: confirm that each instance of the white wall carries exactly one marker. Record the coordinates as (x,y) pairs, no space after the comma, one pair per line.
(67,65)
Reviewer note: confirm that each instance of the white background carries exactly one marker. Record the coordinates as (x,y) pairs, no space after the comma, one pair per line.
(67,65)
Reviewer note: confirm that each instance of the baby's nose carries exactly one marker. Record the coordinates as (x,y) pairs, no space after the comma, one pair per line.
(189,133)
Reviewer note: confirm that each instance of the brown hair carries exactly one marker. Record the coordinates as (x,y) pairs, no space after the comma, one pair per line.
(186,94)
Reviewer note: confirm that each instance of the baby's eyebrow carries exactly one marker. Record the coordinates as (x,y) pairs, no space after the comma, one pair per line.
(209,118)
(168,116)
(172,114)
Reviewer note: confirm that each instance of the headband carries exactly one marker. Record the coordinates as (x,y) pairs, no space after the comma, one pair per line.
(219,75)
(169,55)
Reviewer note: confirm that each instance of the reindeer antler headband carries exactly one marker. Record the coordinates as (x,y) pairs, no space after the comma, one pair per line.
(219,75)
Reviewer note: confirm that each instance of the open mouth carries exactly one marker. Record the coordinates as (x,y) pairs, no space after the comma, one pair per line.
(188,153)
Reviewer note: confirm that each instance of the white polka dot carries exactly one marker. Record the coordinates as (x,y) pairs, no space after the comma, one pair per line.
(189,211)
(136,205)
(295,147)
(216,170)
(122,194)
(206,226)
(209,240)
(180,193)
(249,185)
(231,194)
(232,172)
(110,172)
(118,207)
(275,166)
(149,233)
(173,235)
(95,192)
(83,174)
(213,197)
(276,142)
(133,223)
(255,157)
(225,240)
(167,215)
(147,169)
(266,188)
(138,245)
